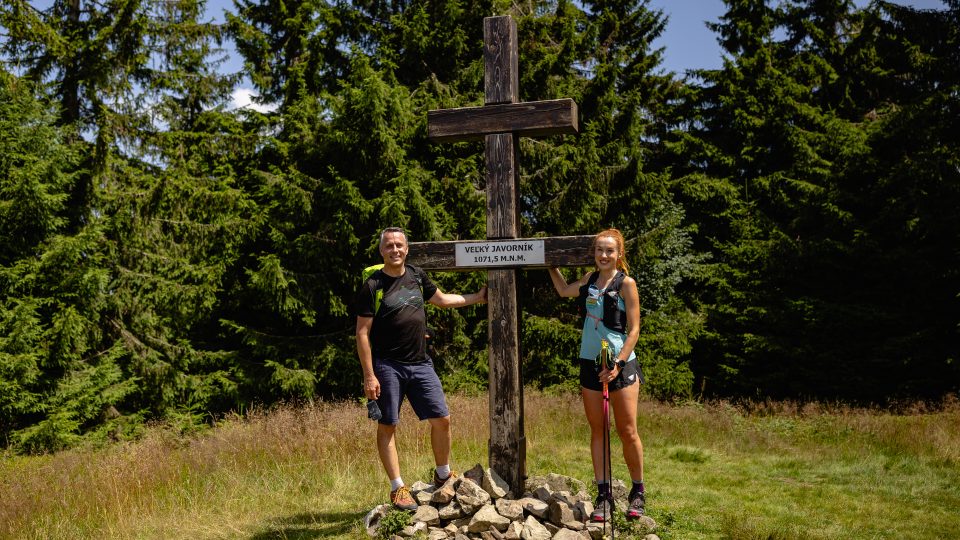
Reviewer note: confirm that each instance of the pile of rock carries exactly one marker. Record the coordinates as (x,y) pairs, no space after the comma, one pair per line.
(477,505)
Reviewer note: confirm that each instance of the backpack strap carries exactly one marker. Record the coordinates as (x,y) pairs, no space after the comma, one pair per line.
(418,274)
(378,284)
(377,278)
(617,281)
(613,317)
(582,297)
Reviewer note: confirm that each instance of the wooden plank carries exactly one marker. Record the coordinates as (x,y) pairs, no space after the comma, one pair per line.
(501,72)
(507,447)
(502,86)
(502,178)
(560,251)
(527,119)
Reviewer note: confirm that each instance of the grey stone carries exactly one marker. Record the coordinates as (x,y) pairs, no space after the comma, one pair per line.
(534,530)
(471,496)
(452,481)
(420,485)
(487,535)
(556,482)
(566,497)
(544,493)
(422,497)
(551,527)
(475,474)
(486,518)
(451,529)
(427,514)
(461,523)
(514,530)
(534,506)
(494,485)
(560,513)
(582,510)
(452,510)
(648,524)
(620,492)
(595,530)
(412,530)
(567,534)
(509,509)
(651,537)
(472,489)
(446,492)
(470,507)
(372,520)
(461,536)
(435,533)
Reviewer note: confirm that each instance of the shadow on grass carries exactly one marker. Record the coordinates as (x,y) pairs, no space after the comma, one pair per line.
(308,525)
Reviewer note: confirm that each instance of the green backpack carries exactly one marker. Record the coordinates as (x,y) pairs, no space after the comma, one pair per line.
(378,291)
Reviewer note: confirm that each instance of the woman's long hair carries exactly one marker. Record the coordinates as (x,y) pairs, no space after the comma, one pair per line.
(621,248)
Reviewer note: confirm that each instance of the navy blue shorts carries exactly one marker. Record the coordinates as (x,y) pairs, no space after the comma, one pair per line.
(590,372)
(419,383)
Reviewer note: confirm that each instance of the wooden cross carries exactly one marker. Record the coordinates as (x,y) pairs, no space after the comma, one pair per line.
(501,122)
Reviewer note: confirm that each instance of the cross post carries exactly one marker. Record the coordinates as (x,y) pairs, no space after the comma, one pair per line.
(500,122)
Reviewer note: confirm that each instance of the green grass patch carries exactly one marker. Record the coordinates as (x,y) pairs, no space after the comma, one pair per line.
(686,454)
(713,471)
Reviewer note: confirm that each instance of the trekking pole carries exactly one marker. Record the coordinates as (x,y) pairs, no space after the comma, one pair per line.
(607,465)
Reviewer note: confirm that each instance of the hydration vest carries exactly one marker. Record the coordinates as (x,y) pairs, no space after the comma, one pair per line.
(614,318)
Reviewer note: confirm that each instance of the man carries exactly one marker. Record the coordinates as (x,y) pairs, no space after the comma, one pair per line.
(391,344)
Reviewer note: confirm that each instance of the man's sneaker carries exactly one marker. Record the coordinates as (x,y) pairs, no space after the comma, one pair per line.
(402,499)
(638,505)
(602,510)
(438,482)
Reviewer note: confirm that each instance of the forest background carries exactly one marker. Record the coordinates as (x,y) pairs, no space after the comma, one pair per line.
(791,216)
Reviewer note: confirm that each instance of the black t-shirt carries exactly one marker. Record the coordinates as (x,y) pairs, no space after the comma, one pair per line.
(399,327)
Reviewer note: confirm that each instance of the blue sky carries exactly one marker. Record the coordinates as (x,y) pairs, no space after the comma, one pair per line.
(688,43)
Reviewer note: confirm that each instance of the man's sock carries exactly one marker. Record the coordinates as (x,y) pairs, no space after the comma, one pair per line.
(396,483)
(443,471)
(637,487)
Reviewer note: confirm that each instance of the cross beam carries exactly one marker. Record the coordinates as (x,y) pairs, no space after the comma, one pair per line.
(501,122)
(531,119)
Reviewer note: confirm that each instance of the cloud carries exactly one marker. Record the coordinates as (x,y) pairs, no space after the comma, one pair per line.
(242,98)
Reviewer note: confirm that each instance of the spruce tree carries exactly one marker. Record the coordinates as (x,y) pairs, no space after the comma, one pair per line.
(763,181)
(179,223)
(779,151)
(59,376)
(288,312)
(901,261)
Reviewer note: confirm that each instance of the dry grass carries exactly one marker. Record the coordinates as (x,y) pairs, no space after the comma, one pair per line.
(768,470)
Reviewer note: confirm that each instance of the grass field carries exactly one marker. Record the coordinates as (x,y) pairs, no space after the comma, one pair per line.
(770,471)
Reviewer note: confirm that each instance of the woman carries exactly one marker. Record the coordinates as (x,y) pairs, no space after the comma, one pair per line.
(612,316)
